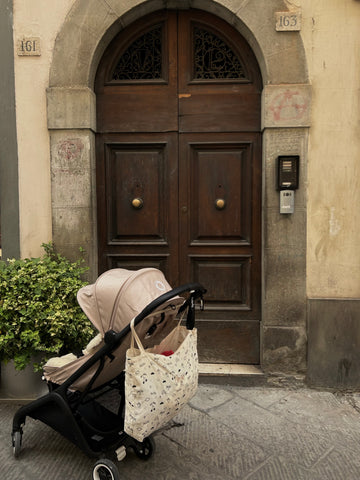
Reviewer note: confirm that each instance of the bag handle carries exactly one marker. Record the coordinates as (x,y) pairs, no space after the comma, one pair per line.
(135,337)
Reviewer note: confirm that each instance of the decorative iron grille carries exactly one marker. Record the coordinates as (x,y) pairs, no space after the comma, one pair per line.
(143,58)
(214,59)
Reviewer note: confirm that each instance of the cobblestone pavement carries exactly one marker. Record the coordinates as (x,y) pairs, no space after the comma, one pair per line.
(226,432)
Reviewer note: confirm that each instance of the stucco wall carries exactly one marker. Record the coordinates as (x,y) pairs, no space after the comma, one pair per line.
(34,19)
(331,34)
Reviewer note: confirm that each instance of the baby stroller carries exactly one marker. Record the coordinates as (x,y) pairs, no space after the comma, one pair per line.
(74,406)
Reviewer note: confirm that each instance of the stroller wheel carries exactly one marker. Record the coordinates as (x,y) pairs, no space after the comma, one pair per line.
(105,469)
(16,443)
(144,450)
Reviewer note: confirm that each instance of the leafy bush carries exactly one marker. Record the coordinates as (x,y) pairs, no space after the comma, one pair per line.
(39,313)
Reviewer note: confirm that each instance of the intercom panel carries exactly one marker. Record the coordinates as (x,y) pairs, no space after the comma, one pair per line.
(288,172)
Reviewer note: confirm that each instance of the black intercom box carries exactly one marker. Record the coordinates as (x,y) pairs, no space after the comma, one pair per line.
(288,172)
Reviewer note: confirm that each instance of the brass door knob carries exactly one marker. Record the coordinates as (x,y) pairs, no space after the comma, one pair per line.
(220,203)
(137,203)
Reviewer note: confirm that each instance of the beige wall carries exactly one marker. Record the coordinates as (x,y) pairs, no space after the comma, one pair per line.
(34,19)
(331,34)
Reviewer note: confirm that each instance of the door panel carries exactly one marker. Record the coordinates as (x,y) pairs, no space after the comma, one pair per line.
(221,195)
(220,243)
(179,168)
(228,342)
(116,113)
(225,112)
(138,185)
(227,279)
(135,192)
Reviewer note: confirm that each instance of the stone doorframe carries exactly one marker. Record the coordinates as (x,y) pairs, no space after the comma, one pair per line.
(85,33)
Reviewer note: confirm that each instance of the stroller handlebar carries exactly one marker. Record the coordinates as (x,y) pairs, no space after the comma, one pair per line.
(196,289)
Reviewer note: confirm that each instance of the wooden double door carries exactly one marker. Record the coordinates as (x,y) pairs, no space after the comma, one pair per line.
(179,168)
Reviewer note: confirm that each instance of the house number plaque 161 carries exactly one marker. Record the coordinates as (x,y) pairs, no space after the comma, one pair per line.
(29,46)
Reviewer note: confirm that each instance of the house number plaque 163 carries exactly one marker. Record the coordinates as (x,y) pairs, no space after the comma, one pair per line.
(288,21)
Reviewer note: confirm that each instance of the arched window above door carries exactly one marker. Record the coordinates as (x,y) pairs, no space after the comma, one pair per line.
(142,60)
(213,58)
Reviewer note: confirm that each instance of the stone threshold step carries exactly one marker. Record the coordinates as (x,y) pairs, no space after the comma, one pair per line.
(237,374)
(228,369)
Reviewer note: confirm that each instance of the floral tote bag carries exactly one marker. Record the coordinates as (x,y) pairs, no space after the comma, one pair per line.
(159,381)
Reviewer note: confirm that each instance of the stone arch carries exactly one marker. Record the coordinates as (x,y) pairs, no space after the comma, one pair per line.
(85,33)
(91,24)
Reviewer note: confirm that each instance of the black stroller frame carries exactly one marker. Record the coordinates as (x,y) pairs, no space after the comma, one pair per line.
(77,416)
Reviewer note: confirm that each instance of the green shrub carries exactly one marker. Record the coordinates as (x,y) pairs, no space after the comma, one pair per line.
(39,313)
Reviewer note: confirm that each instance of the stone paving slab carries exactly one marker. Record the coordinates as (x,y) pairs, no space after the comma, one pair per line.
(226,432)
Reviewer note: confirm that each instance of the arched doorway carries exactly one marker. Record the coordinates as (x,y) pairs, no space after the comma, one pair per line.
(179,167)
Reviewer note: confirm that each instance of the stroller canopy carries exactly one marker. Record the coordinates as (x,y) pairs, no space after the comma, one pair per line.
(118,295)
